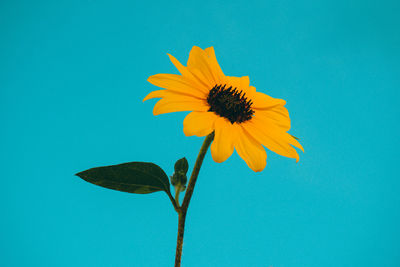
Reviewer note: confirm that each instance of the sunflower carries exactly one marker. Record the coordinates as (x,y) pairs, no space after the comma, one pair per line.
(242,118)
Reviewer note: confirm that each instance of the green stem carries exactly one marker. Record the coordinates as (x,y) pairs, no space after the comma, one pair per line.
(177,192)
(173,201)
(188,195)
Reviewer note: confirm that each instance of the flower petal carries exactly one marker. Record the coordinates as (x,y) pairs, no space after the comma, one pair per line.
(276,132)
(182,69)
(263,101)
(273,137)
(225,134)
(175,104)
(200,78)
(251,151)
(219,76)
(172,96)
(277,115)
(241,83)
(188,75)
(155,94)
(251,90)
(176,83)
(199,123)
(198,62)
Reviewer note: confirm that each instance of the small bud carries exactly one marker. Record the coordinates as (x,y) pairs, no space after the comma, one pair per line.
(179,178)
(182,165)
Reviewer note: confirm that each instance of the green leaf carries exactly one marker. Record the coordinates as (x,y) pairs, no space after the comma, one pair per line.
(132,177)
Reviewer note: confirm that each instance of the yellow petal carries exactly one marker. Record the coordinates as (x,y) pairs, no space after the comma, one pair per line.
(274,138)
(251,151)
(276,145)
(200,78)
(276,132)
(225,134)
(251,90)
(167,105)
(198,62)
(294,142)
(277,115)
(176,83)
(219,76)
(182,69)
(199,123)
(155,94)
(263,101)
(188,75)
(241,83)
(171,95)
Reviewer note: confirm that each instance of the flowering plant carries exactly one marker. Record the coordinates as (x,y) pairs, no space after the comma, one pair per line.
(227,110)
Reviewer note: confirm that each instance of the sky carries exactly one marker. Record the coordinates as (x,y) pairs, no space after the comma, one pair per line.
(72,78)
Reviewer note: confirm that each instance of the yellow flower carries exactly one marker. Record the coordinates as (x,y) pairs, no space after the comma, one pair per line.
(242,118)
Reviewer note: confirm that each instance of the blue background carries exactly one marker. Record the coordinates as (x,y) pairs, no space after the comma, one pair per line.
(72,79)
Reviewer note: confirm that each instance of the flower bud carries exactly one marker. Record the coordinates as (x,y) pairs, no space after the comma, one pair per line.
(182,165)
(179,178)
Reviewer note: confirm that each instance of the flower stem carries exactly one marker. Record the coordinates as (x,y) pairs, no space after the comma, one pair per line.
(177,192)
(188,195)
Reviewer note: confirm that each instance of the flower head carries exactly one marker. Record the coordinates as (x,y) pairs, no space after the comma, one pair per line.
(242,118)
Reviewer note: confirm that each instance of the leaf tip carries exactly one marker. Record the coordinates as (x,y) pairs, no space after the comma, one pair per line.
(80,174)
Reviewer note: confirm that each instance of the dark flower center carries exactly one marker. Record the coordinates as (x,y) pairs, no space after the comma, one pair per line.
(230,103)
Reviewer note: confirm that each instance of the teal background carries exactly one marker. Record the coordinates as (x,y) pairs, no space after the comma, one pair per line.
(72,79)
